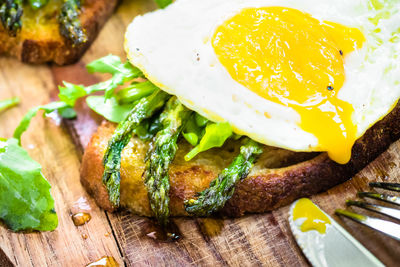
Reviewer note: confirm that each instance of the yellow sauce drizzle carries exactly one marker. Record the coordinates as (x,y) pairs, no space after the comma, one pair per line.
(315,218)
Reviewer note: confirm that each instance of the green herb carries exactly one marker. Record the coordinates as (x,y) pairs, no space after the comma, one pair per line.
(200,120)
(145,109)
(215,136)
(110,108)
(192,138)
(70,25)
(25,200)
(122,73)
(192,131)
(10,15)
(8,103)
(221,189)
(160,155)
(163,3)
(70,93)
(26,120)
(67,113)
(199,131)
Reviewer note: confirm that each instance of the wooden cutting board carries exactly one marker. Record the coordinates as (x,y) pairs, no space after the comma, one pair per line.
(262,239)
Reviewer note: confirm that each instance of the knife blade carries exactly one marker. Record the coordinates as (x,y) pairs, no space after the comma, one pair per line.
(323,241)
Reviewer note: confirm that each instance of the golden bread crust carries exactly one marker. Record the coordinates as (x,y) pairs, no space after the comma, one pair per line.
(278,178)
(41,42)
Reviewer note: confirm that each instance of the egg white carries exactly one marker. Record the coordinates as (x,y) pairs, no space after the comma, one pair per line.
(173,48)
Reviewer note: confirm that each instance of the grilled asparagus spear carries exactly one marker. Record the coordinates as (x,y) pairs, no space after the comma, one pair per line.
(222,188)
(160,155)
(70,25)
(146,107)
(10,15)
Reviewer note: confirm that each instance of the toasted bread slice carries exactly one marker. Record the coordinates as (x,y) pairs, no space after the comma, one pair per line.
(278,178)
(40,41)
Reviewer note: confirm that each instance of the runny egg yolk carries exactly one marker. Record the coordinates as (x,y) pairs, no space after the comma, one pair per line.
(288,57)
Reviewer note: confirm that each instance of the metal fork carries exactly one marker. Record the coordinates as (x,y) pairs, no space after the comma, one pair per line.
(389,228)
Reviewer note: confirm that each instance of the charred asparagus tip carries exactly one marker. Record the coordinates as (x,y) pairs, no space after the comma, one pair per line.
(159,157)
(222,188)
(112,159)
(10,16)
(70,25)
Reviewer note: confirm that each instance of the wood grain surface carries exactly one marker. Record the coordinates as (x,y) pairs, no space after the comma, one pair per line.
(261,239)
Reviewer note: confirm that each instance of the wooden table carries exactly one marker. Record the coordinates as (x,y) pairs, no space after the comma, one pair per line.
(263,239)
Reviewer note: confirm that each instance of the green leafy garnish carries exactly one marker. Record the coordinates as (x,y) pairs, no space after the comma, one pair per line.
(70,93)
(195,129)
(67,113)
(122,73)
(215,136)
(163,3)
(25,200)
(192,138)
(26,120)
(200,120)
(114,106)
(110,108)
(8,103)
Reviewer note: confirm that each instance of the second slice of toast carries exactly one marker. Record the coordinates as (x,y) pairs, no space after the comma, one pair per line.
(40,40)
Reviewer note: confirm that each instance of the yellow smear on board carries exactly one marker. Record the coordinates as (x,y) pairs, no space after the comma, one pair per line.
(315,218)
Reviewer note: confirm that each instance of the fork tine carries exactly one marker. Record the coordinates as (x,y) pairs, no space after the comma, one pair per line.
(387,198)
(394,213)
(389,228)
(387,186)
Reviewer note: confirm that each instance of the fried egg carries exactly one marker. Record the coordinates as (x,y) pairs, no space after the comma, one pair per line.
(310,75)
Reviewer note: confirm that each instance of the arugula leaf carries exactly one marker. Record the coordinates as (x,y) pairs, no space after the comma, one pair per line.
(112,64)
(70,93)
(215,136)
(198,131)
(109,108)
(192,138)
(122,72)
(200,120)
(8,103)
(163,3)
(26,120)
(25,199)
(67,113)
(193,132)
